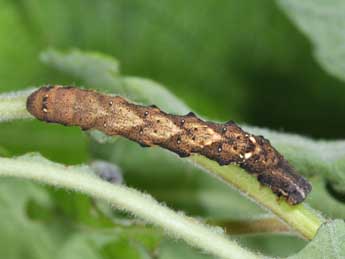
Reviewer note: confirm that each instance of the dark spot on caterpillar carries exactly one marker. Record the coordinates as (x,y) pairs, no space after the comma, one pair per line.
(220,149)
(230,122)
(223,162)
(190,114)
(66,87)
(224,143)
(182,154)
(143,145)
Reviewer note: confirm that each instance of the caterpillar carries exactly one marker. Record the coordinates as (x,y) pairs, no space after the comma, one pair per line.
(225,143)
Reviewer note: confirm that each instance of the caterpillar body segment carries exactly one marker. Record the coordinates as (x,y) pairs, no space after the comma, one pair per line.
(225,143)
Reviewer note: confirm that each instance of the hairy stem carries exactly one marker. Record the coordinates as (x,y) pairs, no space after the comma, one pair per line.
(13,106)
(299,217)
(126,199)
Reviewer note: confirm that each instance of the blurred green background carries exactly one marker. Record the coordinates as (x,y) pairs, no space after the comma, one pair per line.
(227,59)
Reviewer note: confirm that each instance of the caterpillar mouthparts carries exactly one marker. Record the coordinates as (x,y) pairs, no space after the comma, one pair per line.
(225,143)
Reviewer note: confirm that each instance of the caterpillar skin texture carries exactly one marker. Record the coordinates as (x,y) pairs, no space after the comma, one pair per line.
(148,125)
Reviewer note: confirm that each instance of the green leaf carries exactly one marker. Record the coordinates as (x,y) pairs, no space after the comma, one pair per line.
(96,68)
(177,250)
(322,199)
(223,72)
(328,243)
(102,72)
(22,235)
(323,22)
(33,225)
(3,152)
(45,139)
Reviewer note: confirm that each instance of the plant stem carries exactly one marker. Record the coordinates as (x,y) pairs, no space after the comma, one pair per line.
(126,199)
(300,218)
(13,106)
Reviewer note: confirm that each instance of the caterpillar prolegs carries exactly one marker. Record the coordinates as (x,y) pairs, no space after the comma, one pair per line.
(225,143)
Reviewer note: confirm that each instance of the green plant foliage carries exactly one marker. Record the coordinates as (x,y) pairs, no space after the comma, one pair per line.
(226,59)
(3,152)
(33,225)
(102,72)
(324,200)
(311,158)
(82,179)
(231,55)
(329,242)
(323,22)
(191,185)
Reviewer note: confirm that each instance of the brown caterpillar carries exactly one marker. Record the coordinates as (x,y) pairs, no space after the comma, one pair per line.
(148,125)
